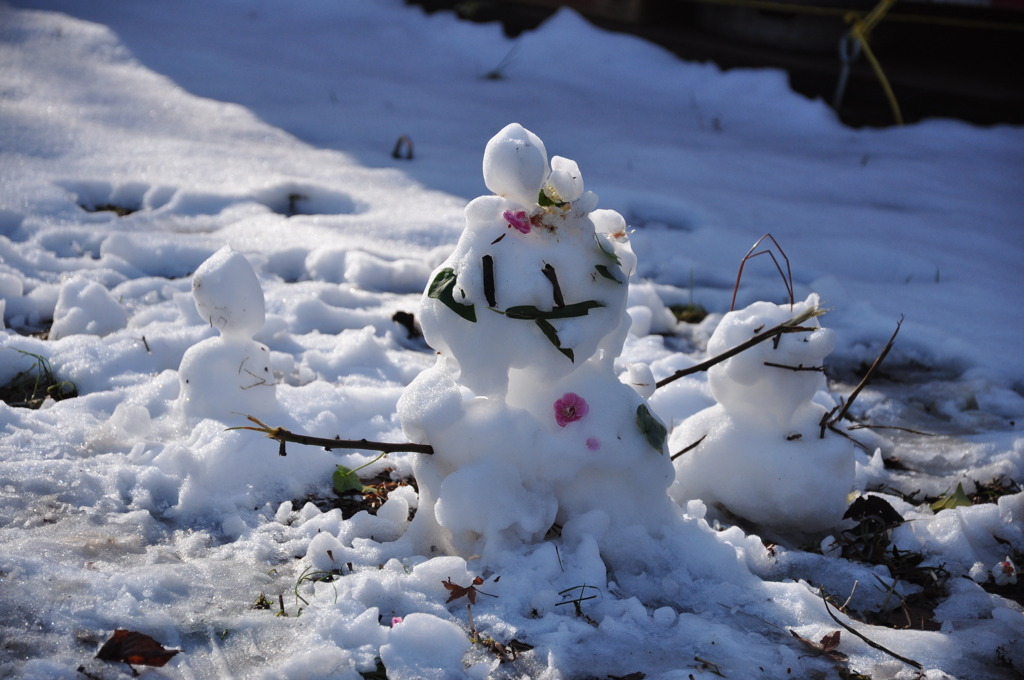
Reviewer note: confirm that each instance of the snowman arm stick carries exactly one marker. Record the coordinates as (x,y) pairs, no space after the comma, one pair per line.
(282,435)
(791,326)
(867,377)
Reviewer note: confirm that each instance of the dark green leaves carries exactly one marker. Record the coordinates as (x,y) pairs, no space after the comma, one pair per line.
(442,289)
(531,313)
(606,273)
(551,334)
(542,318)
(651,428)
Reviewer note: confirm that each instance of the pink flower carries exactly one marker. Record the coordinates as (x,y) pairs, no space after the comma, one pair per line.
(518,219)
(1005,573)
(593,443)
(569,408)
(395,620)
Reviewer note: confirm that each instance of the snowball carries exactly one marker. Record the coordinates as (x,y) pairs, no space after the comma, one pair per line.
(640,378)
(86,307)
(424,647)
(228,295)
(515,164)
(565,183)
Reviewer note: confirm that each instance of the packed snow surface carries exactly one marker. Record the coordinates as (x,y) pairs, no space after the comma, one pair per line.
(201,219)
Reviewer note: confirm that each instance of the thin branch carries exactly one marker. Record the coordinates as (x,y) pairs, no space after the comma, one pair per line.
(790,326)
(690,447)
(867,426)
(282,435)
(801,367)
(870,642)
(787,276)
(867,377)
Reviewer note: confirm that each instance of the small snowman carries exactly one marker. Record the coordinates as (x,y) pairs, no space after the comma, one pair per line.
(760,452)
(228,373)
(530,426)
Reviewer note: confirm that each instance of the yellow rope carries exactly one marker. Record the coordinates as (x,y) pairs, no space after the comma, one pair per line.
(863,24)
(792,7)
(861,30)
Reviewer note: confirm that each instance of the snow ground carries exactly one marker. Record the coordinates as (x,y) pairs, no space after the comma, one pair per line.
(214,121)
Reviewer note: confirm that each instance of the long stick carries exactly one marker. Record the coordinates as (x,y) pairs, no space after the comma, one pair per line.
(790,326)
(867,376)
(282,435)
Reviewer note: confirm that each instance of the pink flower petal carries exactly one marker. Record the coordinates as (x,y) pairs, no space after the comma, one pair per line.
(395,620)
(571,407)
(593,443)
(518,219)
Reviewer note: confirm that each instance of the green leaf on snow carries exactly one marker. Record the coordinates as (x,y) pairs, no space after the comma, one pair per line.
(345,480)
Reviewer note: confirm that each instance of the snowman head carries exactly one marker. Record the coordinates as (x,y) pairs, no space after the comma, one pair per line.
(515,164)
(228,295)
(769,381)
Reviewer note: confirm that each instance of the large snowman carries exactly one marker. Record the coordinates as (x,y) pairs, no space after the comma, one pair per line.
(761,453)
(531,428)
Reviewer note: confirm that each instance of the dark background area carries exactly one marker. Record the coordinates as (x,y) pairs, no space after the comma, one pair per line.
(942,60)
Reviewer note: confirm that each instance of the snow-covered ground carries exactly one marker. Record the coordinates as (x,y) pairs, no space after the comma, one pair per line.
(269,127)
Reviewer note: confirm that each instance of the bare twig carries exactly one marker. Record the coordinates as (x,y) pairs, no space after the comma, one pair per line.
(867,640)
(871,371)
(847,603)
(282,435)
(866,426)
(787,276)
(829,420)
(690,447)
(790,326)
(798,368)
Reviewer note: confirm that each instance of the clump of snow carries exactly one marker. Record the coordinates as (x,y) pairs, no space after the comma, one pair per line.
(85,306)
(423,646)
(761,452)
